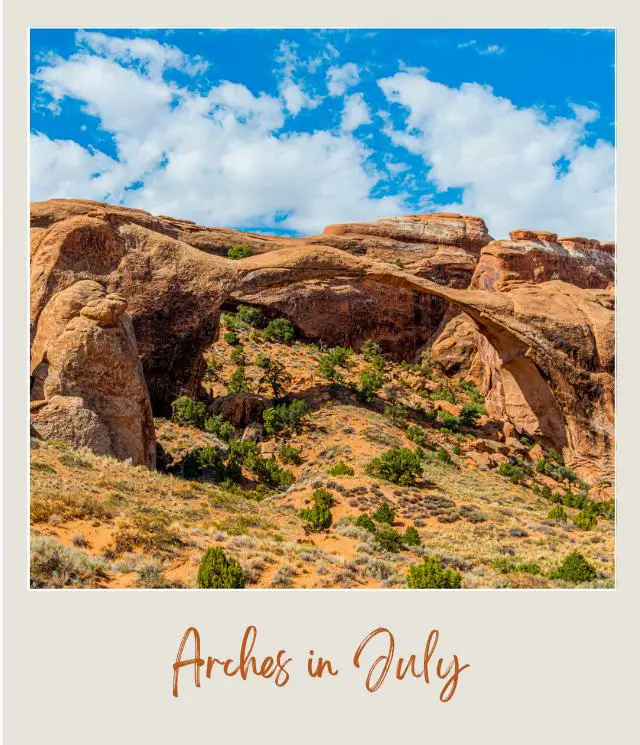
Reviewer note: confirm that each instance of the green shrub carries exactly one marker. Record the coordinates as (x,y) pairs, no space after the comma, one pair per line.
(388,539)
(217,426)
(429,414)
(411,536)
(238,382)
(515,474)
(557,512)
(396,414)
(400,466)
(575,569)
(285,416)
(341,469)
(364,521)
(239,252)
(585,519)
(608,509)
(449,421)
(249,315)
(280,329)
(444,456)
(558,472)
(339,356)
(238,357)
(186,411)
(319,516)
(290,455)
(471,389)
(322,496)
(270,473)
(457,450)
(371,381)
(378,364)
(385,514)
(328,368)
(576,500)
(370,350)
(431,575)
(471,413)
(231,338)
(217,572)
(274,374)
(246,453)
(415,434)
(204,461)
(229,321)
(507,566)
(443,394)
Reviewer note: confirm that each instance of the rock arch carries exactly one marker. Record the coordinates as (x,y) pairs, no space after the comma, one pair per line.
(548,348)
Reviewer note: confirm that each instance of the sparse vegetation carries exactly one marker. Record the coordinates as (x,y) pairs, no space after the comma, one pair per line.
(189,412)
(239,252)
(274,375)
(289,455)
(364,521)
(557,512)
(411,536)
(280,329)
(341,469)
(319,516)
(575,569)
(385,514)
(216,571)
(398,465)
(371,381)
(250,315)
(285,417)
(55,566)
(431,575)
(388,539)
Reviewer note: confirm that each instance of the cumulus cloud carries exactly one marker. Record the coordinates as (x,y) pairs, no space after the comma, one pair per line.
(341,77)
(152,55)
(516,166)
(355,113)
(291,89)
(222,154)
(219,157)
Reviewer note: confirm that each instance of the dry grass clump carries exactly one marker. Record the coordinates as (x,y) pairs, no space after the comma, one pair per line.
(55,566)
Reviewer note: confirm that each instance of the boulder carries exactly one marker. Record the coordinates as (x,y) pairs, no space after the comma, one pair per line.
(241,409)
(88,384)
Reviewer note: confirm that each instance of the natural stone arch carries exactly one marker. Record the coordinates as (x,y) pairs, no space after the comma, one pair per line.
(548,347)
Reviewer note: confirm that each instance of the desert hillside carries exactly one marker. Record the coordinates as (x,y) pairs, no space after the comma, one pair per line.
(405,402)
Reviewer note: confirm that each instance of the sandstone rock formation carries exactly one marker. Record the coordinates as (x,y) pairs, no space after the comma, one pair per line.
(88,384)
(546,345)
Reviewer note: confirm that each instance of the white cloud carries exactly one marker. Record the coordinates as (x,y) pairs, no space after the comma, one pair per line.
(64,169)
(151,54)
(473,44)
(227,155)
(341,77)
(504,157)
(355,113)
(492,49)
(218,157)
(291,88)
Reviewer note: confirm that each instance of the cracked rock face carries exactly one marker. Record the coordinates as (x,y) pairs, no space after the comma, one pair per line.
(124,301)
(88,384)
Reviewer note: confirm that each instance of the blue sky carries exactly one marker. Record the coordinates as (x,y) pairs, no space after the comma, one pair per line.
(287,131)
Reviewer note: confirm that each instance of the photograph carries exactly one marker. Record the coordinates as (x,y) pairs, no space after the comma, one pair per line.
(322,308)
